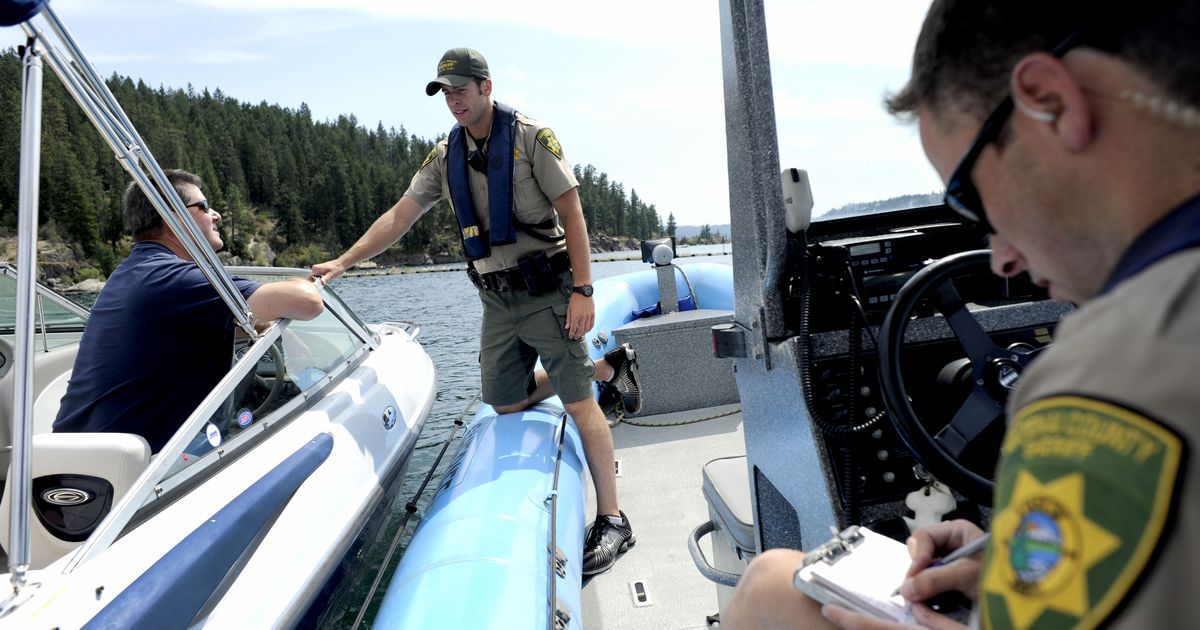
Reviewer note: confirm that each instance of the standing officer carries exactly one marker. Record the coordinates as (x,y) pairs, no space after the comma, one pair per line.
(1070,129)
(510,186)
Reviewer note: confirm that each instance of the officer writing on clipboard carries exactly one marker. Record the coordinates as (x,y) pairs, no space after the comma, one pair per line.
(522,227)
(1071,130)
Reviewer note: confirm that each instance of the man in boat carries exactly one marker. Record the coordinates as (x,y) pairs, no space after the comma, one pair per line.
(159,337)
(1087,175)
(510,186)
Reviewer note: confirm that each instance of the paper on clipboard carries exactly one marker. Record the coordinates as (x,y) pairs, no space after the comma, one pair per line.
(860,570)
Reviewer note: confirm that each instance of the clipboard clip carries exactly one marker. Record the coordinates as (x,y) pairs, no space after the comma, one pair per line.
(836,548)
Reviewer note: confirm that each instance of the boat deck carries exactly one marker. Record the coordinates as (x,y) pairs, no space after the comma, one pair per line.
(659,487)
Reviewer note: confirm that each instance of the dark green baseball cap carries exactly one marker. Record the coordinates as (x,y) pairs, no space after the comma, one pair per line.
(457,67)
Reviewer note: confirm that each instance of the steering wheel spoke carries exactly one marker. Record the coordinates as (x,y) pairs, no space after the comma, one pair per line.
(976,414)
(970,334)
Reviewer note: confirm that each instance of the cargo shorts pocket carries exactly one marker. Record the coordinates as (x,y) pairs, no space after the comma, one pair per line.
(575,346)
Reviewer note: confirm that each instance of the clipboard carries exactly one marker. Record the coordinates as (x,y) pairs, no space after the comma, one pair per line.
(860,570)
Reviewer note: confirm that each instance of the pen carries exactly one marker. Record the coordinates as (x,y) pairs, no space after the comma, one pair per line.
(967,550)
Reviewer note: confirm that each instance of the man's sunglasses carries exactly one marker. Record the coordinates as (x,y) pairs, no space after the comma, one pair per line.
(961,194)
(202,204)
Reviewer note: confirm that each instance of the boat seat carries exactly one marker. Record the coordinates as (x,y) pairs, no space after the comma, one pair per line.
(77,478)
(727,489)
(45,406)
(6,357)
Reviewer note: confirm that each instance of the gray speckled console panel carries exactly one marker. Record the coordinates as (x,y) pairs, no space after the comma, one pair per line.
(675,361)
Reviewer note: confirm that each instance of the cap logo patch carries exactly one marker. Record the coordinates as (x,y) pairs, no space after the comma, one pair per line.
(1083,494)
(546,137)
(447,66)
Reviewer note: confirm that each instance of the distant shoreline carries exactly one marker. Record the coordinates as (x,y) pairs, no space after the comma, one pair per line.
(403,269)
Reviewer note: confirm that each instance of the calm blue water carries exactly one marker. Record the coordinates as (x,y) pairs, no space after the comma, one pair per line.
(447,307)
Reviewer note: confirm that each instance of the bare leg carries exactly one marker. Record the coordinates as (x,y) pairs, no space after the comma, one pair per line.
(598,448)
(766,600)
(545,390)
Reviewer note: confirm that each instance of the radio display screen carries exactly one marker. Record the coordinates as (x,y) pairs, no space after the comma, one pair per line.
(866,249)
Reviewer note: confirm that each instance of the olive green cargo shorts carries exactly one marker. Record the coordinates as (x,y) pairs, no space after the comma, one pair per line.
(517,329)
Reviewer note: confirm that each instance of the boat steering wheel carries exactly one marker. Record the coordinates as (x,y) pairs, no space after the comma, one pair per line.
(258,382)
(994,372)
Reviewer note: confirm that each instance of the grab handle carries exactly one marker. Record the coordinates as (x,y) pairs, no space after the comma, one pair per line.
(723,578)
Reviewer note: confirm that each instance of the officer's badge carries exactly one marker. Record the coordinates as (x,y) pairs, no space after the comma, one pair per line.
(546,137)
(1083,495)
(429,158)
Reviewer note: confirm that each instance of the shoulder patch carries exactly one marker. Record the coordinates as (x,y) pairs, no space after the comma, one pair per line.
(1083,495)
(433,153)
(546,137)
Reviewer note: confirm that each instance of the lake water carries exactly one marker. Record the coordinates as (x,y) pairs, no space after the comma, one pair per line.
(447,307)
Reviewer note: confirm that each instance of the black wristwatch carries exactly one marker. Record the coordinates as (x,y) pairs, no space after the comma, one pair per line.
(584,289)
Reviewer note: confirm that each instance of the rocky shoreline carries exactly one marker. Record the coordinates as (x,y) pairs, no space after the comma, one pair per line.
(59,263)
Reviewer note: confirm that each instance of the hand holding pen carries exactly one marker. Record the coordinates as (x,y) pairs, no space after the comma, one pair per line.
(965,540)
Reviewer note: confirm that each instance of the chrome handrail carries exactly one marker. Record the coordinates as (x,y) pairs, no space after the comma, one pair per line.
(21,479)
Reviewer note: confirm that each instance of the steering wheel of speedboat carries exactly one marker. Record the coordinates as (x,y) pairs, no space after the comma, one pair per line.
(994,371)
(275,386)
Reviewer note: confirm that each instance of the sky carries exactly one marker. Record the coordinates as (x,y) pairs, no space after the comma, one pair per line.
(633,87)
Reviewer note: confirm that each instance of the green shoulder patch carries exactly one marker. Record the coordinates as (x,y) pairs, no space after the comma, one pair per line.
(1083,494)
(546,137)
(429,158)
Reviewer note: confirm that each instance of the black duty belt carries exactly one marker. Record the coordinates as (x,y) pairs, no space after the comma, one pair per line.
(512,279)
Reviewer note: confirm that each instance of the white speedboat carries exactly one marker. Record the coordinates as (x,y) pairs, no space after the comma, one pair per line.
(255,509)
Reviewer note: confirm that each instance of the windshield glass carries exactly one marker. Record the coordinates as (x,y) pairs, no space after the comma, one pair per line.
(61,325)
(830,71)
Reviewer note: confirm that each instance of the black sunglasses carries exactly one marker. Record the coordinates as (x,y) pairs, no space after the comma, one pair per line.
(203,204)
(961,194)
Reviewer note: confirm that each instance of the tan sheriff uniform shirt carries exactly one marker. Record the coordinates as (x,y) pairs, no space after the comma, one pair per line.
(541,175)
(1097,507)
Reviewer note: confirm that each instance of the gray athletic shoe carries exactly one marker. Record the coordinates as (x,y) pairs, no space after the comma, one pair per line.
(623,361)
(604,542)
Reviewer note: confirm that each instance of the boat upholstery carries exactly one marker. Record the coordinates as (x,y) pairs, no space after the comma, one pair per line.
(50,372)
(117,458)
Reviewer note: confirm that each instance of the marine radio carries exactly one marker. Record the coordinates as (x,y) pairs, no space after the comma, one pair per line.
(877,265)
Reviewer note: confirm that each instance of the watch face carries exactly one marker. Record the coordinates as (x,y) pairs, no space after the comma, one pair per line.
(584,290)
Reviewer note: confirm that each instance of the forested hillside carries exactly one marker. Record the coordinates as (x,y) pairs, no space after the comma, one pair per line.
(292,190)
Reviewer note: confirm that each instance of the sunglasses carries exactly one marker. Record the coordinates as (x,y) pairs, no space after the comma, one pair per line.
(961,194)
(202,204)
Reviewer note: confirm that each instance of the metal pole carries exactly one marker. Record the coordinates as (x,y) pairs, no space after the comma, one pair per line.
(21,480)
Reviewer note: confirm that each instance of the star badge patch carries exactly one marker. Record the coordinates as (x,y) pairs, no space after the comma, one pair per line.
(546,137)
(1084,492)
(429,158)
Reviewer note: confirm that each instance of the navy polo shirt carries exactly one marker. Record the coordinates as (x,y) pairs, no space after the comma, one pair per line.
(158,340)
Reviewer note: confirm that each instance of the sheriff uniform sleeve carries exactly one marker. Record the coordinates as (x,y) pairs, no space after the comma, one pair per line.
(426,185)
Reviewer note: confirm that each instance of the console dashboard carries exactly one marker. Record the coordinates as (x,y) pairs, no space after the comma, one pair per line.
(853,270)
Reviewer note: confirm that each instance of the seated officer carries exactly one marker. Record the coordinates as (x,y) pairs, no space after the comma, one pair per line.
(1087,174)
(159,337)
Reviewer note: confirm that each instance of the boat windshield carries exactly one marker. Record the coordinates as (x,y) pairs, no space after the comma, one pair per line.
(829,90)
(57,321)
(305,358)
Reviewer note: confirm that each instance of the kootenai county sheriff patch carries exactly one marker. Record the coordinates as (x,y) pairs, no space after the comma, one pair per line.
(1083,494)
(429,158)
(546,137)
